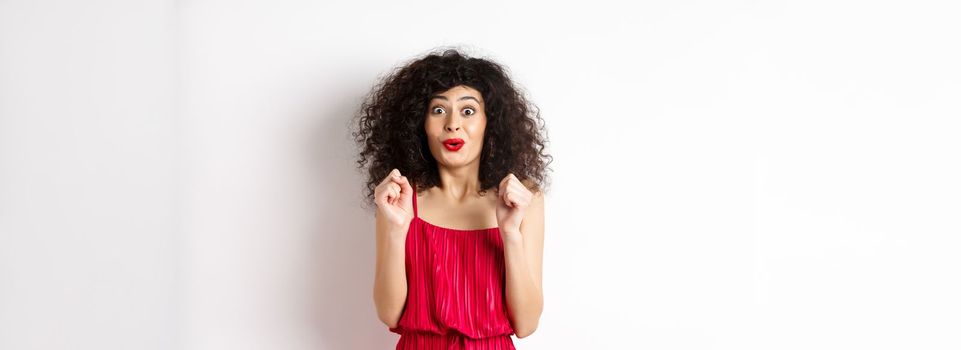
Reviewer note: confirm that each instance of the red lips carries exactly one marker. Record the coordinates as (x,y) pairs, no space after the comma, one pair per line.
(453,144)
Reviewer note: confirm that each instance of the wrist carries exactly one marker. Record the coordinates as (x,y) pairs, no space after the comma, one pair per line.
(399,234)
(511,235)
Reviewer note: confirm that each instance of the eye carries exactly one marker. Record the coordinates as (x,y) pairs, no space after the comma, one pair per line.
(471,109)
(438,110)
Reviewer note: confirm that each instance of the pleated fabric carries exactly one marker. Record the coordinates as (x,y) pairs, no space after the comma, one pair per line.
(455,289)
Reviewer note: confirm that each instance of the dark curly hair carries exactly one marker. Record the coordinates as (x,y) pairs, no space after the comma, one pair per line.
(392,116)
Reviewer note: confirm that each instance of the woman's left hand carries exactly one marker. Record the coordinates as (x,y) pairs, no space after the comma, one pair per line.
(513,200)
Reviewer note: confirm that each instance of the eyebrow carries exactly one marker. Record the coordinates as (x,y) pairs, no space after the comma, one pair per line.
(462,98)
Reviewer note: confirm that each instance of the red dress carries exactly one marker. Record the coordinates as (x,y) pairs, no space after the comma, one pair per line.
(455,289)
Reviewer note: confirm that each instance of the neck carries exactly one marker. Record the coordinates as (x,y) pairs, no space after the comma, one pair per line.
(459,183)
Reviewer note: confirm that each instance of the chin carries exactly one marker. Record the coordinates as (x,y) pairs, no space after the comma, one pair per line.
(455,163)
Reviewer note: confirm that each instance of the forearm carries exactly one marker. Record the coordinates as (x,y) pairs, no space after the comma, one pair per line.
(390,280)
(524,299)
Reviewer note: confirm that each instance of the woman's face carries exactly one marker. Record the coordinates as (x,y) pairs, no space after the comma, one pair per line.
(455,126)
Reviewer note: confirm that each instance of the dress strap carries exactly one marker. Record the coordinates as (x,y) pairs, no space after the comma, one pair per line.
(415,198)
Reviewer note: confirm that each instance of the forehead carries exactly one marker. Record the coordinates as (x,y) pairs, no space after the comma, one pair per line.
(459,93)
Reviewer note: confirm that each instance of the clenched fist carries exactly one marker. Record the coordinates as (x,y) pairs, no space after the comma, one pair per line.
(513,200)
(393,197)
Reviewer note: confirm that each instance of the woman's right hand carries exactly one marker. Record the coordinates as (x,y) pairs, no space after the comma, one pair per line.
(393,197)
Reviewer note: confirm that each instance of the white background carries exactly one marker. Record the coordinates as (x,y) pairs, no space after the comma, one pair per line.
(726,175)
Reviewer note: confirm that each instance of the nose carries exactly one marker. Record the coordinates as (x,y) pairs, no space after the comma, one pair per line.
(452,125)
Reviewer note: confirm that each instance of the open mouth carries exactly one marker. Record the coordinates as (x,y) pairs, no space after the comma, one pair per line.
(453,144)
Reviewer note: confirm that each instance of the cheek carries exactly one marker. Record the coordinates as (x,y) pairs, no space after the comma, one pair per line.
(431,128)
(476,127)
(477,134)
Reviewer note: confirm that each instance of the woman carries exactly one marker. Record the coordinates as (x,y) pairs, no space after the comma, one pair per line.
(457,266)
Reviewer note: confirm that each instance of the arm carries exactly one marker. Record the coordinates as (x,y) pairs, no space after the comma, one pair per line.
(523,255)
(390,280)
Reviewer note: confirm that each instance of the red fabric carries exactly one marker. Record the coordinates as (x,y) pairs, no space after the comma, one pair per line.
(455,289)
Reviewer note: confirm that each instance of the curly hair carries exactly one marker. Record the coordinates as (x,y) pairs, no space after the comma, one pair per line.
(391,123)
